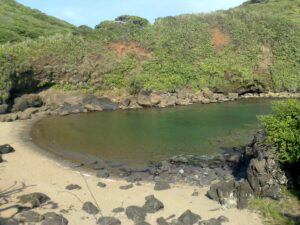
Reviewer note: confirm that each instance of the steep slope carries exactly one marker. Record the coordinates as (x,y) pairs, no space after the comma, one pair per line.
(255,46)
(18,22)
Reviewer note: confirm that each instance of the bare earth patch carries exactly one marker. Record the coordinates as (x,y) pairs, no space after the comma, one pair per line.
(219,39)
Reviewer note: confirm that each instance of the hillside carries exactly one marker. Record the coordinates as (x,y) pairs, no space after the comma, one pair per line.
(18,22)
(254,46)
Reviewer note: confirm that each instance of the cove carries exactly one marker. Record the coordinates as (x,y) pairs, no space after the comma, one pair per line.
(135,137)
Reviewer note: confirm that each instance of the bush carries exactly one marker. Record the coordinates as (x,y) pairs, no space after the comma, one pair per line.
(283,129)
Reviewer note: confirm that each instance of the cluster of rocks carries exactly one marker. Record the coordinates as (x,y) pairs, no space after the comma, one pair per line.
(262,176)
(63,103)
(26,214)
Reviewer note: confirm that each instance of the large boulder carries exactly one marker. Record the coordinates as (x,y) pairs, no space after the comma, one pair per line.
(33,200)
(27,101)
(189,218)
(207,93)
(90,208)
(144,99)
(108,221)
(100,103)
(224,193)
(152,205)
(52,218)
(30,217)
(136,213)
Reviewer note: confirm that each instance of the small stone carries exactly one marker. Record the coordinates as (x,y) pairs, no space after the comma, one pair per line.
(189,218)
(142,223)
(108,221)
(223,219)
(195,194)
(161,185)
(52,218)
(30,217)
(118,210)
(71,187)
(90,208)
(212,221)
(135,213)
(103,174)
(181,171)
(5,149)
(101,185)
(161,221)
(152,204)
(126,187)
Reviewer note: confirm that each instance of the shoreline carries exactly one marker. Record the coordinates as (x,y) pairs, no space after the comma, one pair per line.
(36,168)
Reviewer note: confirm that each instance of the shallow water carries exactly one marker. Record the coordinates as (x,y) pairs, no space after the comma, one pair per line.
(135,137)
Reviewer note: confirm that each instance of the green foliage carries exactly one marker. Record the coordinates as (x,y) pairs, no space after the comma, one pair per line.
(132,19)
(18,22)
(262,46)
(273,211)
(283,129)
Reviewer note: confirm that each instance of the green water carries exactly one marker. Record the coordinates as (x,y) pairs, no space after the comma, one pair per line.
(137,136)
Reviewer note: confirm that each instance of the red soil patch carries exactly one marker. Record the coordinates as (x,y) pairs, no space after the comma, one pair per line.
(219,39)
(123,48)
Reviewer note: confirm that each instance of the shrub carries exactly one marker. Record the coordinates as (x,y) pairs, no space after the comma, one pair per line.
(283,129)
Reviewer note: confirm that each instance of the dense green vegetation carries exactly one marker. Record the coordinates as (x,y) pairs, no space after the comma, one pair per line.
(283,129)
(282,212)
(255,44)
(18,22)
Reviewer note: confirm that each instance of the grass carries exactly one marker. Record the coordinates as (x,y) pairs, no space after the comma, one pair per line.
(283,212)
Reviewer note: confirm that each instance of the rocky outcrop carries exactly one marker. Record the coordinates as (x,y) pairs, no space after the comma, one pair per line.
(27,101)
(262,176)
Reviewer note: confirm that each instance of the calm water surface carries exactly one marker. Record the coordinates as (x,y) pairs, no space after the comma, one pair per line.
(137,136)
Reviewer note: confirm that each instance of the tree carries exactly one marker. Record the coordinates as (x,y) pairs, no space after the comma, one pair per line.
(283,129)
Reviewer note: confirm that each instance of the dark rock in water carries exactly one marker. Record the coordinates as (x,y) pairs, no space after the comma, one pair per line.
(71,187)
(103,174)
(222,191)
(101,185)
(135,213)
(30,217)
(34,199)
(108,221)
(3,108)
(161,221)
(8,221)
(90,208)
(1,159)
(52,218)
(161,185)
(176,222)
(126,187)
(4,149)
(189,218)
(223,219)
(152,205)
(27,101)
(118,210)
(212,221)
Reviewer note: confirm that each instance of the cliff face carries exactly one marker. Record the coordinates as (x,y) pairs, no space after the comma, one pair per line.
(253,47)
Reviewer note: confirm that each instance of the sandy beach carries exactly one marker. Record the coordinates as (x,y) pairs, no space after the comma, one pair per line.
(47,175)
